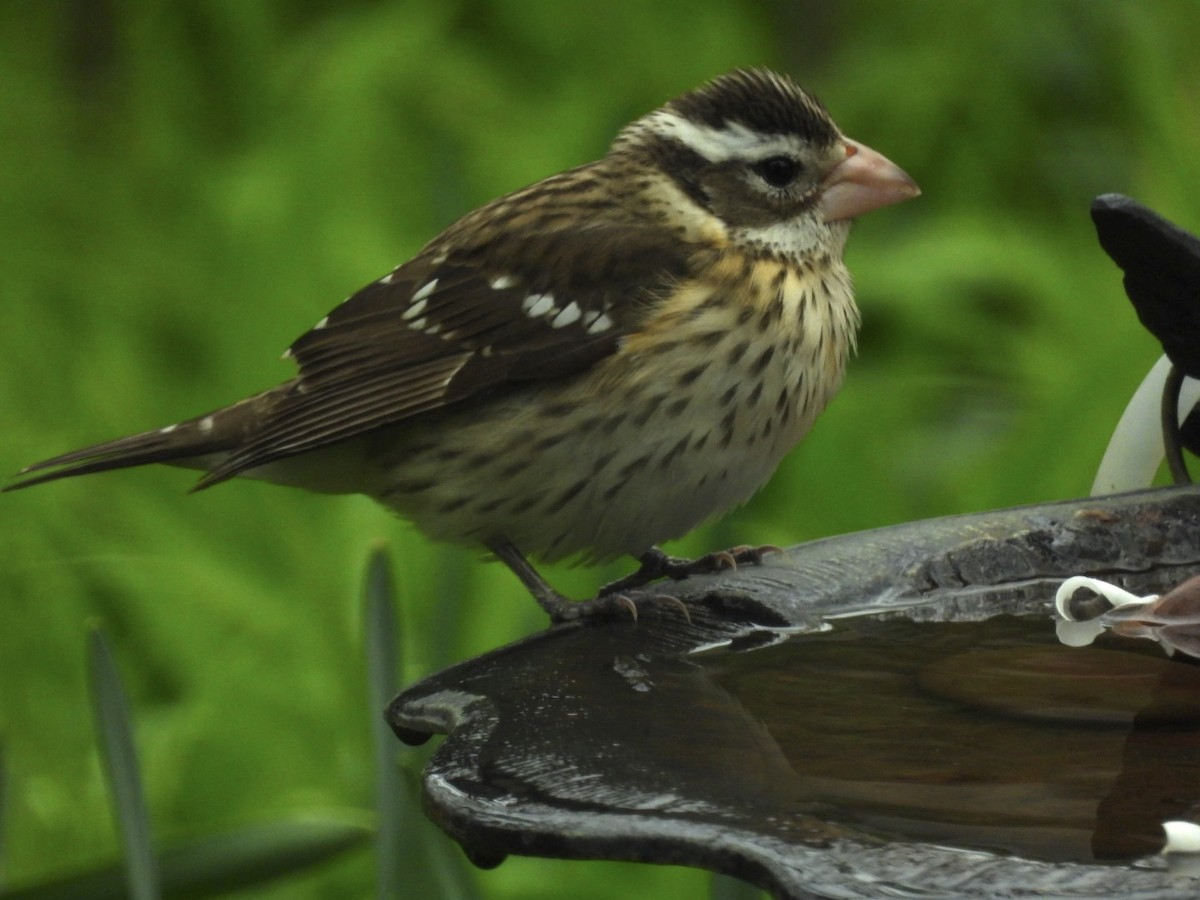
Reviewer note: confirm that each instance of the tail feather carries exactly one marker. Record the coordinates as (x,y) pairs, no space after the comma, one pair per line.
(216,433)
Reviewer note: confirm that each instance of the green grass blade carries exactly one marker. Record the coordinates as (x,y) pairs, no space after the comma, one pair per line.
(3,809)
(414,858)
(111,711)
(259,853)
(217,864)
(380,636)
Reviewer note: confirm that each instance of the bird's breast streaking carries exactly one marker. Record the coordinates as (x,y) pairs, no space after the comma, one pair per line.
(687,419)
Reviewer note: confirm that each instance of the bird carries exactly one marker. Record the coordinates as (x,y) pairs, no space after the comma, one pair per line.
(586,367)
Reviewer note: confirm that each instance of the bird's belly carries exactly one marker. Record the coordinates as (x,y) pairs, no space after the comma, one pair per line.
(634,453)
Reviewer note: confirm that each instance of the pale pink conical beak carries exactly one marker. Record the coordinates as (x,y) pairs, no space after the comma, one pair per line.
(863,181)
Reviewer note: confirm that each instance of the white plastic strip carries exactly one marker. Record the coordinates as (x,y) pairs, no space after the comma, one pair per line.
(1135,450)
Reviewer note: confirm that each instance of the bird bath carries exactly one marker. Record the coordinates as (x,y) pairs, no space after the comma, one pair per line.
(889,707)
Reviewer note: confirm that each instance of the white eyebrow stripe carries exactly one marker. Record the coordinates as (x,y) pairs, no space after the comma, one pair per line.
(720,144)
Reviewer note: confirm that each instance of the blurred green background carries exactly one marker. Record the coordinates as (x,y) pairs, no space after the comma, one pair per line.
(187,186)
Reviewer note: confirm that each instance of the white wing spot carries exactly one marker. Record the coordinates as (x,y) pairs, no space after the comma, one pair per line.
(419,324)
(570,313)
(321,324)
(537,305)
(503,282)
(429,287)
(168,429)
(435,328)
(413,311)
(388,278)
(206,424)
(603,323)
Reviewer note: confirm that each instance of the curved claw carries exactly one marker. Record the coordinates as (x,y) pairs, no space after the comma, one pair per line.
(628,604)
(604,606)
(655,564)
(720,560)
(753,554)
(614,606)
(676,602)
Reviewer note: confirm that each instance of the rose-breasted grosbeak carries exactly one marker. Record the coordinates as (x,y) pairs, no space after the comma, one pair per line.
(588,366)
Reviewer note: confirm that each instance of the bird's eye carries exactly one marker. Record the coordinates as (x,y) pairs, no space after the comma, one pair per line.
(778,171)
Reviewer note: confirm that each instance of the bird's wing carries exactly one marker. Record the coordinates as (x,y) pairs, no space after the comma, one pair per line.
(462,320)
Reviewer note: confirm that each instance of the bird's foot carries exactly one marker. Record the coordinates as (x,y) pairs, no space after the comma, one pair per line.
(606,605)
(656,564)
(621,598)
(611,606)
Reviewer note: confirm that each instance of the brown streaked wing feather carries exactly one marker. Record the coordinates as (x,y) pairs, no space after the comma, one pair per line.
(321,413)
(370,365)
(216,432)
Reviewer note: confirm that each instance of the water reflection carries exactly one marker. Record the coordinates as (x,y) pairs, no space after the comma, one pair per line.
(1089,606)
(988,734)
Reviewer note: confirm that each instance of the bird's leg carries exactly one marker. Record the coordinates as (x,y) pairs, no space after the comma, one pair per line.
(547,597)
(656,564)
(558,607)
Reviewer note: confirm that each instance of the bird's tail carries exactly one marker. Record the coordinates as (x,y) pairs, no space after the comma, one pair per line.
(197,443)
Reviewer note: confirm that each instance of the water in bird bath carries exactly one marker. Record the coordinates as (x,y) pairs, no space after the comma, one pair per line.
(988,735)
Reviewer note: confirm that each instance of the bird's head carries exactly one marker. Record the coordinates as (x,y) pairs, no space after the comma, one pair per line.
(763,156)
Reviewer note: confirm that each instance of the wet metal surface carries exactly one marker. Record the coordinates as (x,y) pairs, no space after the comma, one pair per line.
(887,709)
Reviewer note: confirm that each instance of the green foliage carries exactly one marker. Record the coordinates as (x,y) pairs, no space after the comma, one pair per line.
(186,186)
(407,860)
(216,864)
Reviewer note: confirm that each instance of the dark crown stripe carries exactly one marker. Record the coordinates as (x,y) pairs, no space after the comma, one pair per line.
(760,100)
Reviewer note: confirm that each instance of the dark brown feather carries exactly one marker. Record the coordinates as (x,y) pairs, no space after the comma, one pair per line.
(374,363)
(214,433)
